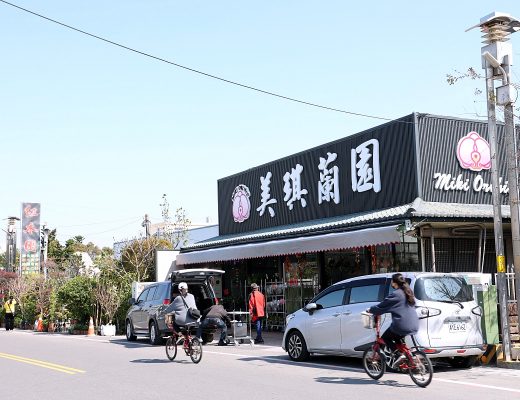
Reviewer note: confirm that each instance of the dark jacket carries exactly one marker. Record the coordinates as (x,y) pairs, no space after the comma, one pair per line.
(404,317)
(216,311)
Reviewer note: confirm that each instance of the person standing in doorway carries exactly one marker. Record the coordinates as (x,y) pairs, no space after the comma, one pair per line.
(9,307)
(257,310)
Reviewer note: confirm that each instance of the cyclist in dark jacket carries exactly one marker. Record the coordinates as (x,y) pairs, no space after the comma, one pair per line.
(401,304)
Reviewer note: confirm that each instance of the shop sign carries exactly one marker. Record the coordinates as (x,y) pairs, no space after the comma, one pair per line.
(473,154)
(30,249)
(358,173)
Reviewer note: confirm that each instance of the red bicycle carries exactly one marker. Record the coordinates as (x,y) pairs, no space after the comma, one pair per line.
(190,344)
(378,357)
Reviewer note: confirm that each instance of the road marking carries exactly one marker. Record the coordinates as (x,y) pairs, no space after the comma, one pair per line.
(43,364)
(478,385)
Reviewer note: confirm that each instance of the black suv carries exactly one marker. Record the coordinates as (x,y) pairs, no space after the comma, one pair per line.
(146,315)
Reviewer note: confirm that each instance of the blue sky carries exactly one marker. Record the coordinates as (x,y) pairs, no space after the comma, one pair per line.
(97,134)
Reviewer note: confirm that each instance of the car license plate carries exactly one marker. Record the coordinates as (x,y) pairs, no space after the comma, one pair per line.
(457,327)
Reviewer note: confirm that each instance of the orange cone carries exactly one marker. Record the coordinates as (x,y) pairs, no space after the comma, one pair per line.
(39,327)
(91,328)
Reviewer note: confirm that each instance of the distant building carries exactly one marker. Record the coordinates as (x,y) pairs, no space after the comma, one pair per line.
(196,233)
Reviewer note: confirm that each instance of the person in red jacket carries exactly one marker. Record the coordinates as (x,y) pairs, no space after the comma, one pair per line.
(257,310)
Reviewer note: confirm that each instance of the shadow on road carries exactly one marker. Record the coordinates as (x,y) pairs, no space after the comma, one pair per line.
(363,381)
(318,362)
(151,361)
(132,345)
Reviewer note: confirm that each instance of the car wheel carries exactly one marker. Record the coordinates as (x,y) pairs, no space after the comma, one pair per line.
(207,337)
(463,362)
(155,336)
(296,347)
(129,331)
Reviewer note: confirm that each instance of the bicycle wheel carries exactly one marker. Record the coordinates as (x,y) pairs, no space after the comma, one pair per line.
(374,363)
(195,350)
(422,370)
(171,348)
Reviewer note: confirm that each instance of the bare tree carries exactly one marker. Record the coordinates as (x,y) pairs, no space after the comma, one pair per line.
(138,257)
(43,290)
(175,228)
(473,75)
(19,288)
(108,296)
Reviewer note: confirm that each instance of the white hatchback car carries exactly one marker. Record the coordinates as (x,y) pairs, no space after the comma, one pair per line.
(449,325)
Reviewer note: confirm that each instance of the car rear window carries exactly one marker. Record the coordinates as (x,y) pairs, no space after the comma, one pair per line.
(443,288)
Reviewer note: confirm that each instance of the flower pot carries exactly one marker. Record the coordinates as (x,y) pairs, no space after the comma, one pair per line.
(108,330)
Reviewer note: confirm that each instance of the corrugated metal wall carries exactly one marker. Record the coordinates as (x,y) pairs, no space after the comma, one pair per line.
(438,138)
(459,255)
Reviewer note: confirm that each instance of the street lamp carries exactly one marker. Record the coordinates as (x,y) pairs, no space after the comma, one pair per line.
(11,243)
(45,245)
(496,61)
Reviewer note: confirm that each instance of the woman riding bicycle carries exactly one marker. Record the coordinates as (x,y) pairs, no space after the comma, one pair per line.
(401,304)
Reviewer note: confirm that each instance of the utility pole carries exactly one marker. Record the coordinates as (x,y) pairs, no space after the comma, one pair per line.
(496,28)
(11,243)
(146,225)
(45,245)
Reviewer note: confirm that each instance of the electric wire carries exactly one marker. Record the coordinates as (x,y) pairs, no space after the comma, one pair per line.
(198,71)
(132,219)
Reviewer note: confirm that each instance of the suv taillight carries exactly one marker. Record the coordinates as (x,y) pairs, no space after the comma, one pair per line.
(166,302)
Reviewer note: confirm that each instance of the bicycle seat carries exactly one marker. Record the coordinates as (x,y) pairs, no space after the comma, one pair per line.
(190,325)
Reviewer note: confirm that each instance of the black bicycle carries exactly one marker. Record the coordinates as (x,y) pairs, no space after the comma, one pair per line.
(190,344)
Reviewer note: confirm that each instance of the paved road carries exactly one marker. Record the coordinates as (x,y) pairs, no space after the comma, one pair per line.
(47,366)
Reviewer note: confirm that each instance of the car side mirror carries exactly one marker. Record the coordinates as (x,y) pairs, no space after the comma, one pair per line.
(311,307)
(131,301)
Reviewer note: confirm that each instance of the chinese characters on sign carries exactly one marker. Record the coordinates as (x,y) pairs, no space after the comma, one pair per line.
(328,186)
(365,176)
(293,187)
(265,183)
(30,249)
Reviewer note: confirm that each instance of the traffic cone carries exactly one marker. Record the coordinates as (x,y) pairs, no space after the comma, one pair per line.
(91,328)
(39,327)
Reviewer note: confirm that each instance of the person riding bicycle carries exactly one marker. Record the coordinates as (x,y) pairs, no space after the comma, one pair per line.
(401,304)
(179,307)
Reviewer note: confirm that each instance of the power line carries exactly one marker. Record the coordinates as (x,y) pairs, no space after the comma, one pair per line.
(132,219)
(195,70)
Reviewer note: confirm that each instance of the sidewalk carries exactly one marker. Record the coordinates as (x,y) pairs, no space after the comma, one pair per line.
(515,359)
(272,338)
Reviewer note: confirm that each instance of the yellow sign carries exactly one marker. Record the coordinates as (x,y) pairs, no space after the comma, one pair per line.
(501,264)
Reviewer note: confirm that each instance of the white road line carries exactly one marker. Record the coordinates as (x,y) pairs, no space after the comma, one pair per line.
(478,385)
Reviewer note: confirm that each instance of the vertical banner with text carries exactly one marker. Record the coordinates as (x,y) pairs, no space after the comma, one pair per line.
(30,246)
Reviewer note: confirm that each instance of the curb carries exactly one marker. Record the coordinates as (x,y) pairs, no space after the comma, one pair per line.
(508,364)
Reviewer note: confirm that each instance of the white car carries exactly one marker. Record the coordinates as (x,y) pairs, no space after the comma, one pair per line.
(449,324)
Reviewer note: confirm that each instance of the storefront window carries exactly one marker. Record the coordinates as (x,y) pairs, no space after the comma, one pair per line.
(407,255)
(301,280)
(342,265)
(398,257)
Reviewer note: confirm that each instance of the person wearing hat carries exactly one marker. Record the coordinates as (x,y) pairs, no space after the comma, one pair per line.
(9,307)
(180,305)
(257,310)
